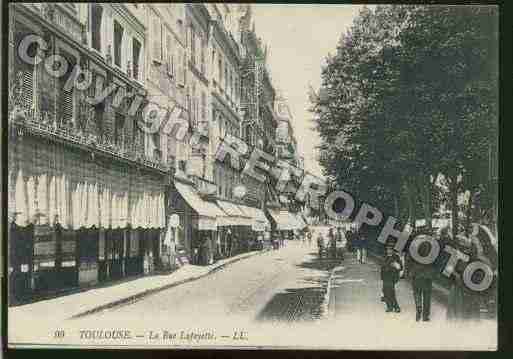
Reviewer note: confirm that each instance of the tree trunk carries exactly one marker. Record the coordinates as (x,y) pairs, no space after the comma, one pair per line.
(468,222)
(426,200)
(410,193)
(396,206)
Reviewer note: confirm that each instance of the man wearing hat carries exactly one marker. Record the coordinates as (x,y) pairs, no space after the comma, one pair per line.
(390,275)
(422,280)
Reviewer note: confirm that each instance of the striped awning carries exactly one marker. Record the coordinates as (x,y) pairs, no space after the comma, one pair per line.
(234,216)
(259,220)
(208,212)
(285,221)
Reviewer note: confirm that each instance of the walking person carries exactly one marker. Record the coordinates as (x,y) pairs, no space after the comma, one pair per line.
(356,246)
(363,247)
(320,244)
(350,240)
(390,275)
(332,243)
(309,236)
(422,276)
(341,242)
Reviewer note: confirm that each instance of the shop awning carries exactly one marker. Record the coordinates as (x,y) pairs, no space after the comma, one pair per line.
(259,220)
(285,221)
(207,211)
(234,216)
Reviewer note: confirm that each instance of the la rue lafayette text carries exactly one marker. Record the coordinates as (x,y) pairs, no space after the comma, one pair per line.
(120,334)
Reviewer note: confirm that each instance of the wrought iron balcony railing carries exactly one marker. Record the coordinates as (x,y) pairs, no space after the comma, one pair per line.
(23,120)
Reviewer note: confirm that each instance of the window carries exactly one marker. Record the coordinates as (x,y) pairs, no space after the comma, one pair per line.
(203,106)
(220,70)
(156,38)
(136,46)
(118,129)
(157,153)
(214,61)
(203,50)
(66,98)
(234,87)
(226,76)
(221,128)
(170,63)
(99,110)
(118,41)
(96,24)
(193,46)
(184,66)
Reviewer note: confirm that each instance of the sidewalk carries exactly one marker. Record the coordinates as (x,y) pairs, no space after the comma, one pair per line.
(357,288)
(357,315)
(101,298)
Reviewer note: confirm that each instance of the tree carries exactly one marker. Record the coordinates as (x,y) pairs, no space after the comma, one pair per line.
(410,94)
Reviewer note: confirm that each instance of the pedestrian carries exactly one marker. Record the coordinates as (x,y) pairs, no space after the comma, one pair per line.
(320,244)
(421,276)
(356,246)
(349,243)
(342,242)
(390,275)
(332,242)
(309,236)
(363,247)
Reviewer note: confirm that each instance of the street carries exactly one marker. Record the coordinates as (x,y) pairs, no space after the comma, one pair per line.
(284,295)
(267,299)
(287,285)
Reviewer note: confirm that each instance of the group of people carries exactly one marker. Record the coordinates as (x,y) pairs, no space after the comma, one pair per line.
(421,277)
(462,302)
(338,241)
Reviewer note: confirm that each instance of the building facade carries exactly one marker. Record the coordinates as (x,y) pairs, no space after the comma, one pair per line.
(95,192)
(86,197)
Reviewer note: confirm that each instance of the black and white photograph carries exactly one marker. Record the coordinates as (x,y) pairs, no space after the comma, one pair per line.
(252,175)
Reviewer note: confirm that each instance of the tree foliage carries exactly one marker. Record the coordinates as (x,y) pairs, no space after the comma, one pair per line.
(411,94)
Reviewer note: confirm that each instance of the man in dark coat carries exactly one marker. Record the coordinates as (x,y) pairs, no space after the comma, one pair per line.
(422,281)
(390,275)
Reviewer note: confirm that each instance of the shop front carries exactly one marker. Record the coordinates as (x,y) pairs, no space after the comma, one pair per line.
(197,236)
(260,225)
(283,223)
(72,216)
(232,229)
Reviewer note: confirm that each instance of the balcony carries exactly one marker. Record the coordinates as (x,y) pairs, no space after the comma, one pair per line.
(64,18)
(28,121)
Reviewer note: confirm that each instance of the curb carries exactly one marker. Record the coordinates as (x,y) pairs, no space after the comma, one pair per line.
(139,296)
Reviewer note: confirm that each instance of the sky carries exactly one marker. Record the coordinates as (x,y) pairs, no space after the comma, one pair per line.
(299,38)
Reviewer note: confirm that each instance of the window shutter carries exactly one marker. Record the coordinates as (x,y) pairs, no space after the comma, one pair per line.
(28,87)
(203,106)
(66,97)
(169,53)
(180,67)
(184,67)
